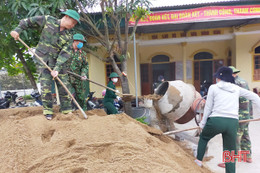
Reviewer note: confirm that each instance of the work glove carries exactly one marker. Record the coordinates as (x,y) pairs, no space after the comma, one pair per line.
(83,77)
(54,73)
(202,124)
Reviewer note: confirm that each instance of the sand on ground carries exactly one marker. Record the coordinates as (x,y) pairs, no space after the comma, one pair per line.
(71,144)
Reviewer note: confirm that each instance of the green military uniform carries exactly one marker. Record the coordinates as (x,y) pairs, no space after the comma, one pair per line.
(54,48)
(245,107)
(79,65)
(110,96)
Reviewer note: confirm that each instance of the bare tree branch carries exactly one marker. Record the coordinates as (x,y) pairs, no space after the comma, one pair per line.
(89,21)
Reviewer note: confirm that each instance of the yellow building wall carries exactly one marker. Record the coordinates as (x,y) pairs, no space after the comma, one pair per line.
(97,73)
(241,57)
(173,51)
(131,70)
(216,48)
(244,58)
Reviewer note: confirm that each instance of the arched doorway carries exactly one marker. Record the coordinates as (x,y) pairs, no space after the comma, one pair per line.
(256,60)
(160,65)
(204,68)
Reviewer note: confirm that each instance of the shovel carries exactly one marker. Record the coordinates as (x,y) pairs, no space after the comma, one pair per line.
(58,79)
(194,128)
(124,95)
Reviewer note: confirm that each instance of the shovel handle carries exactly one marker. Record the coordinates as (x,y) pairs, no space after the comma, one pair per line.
(94,82)
(177,131)
(57,78)
(194,128)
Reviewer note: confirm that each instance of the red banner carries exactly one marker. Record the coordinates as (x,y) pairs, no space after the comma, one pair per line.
(201,14)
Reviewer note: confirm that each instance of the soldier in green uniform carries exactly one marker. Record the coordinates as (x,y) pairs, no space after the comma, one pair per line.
(245,112)
(79,65)
(54,48)
(110,95)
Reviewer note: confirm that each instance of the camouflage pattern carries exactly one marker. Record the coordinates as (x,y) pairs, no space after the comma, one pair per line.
(46,83)
(54,48)
(243,139)
(79,65)
(245,112)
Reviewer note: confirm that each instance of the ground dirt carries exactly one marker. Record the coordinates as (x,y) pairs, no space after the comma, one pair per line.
(71,144)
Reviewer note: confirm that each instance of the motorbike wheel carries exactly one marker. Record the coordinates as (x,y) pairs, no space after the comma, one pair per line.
(20,101)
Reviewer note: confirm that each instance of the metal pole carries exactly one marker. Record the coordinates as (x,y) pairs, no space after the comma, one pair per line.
(0,91)
(136,90)
(23,84)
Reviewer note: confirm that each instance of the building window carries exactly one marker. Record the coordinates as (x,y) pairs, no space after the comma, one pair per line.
(204,32)
(193,33)
(165,36)
(174,35)
(256,61)
(154,37)
(183,34)
(109,70)
(203,55)
(160,58)
(216,32)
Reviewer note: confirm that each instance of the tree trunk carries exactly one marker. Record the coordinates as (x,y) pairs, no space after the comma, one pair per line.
(27,70)
(125,89)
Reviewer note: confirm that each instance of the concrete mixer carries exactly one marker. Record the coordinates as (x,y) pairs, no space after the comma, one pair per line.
(179,104)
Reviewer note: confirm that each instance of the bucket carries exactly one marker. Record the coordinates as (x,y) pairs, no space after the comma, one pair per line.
(177,99)
(140,112)
(148,103)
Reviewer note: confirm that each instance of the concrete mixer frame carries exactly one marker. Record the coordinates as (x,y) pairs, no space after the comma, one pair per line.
(199,110)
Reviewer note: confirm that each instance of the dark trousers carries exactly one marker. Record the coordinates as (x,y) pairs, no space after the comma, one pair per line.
(111,109)
(214,126)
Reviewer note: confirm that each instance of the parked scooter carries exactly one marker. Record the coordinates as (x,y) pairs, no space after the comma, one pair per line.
(11,97)
(4,103)
(37,97)
(93,102)
(204,88)
(119,104)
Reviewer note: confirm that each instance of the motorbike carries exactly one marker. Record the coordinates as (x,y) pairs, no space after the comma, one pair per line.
(11,97)
(204,88)
(119,104)
(4,103)
(37,97)
(93,102)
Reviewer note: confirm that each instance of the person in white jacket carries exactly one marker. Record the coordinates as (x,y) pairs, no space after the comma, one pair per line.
(221,114)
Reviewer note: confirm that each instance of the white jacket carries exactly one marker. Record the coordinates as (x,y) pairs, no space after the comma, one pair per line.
(223,101)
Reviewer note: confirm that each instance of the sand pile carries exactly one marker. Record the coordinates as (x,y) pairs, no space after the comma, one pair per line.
(71,144)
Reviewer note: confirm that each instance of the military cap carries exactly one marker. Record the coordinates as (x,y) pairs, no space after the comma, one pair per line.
(234,69)
(79,37)
(73,14)
(113,74)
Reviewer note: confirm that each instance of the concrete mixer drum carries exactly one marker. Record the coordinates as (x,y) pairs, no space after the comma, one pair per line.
(176,102)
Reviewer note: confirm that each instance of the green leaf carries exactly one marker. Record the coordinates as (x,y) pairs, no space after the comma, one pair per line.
(25,35)
(24,5)
(34,5)
(41,10)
